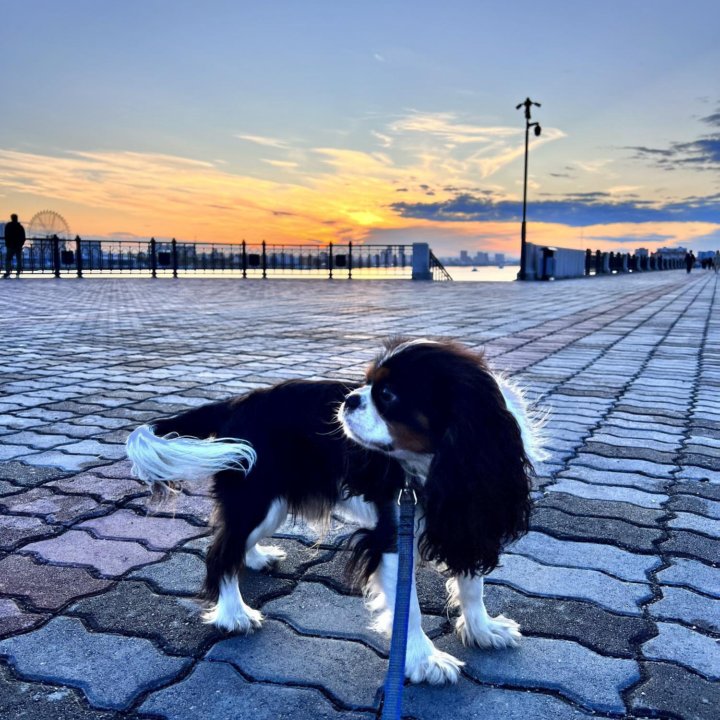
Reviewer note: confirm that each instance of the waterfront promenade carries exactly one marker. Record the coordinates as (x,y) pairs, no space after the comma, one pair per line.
(616,587)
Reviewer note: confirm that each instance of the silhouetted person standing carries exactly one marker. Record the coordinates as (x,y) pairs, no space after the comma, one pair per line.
(14,241)
(689,261)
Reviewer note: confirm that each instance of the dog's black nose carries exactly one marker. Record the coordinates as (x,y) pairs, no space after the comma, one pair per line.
(352,402)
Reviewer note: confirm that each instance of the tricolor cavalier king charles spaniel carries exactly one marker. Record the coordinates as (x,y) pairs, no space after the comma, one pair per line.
(430,409)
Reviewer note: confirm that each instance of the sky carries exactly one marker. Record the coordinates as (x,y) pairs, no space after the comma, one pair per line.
(372,121)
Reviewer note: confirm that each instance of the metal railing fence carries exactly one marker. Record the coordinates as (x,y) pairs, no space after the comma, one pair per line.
(156,258)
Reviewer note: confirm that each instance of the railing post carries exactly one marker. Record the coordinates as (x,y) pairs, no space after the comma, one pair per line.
(264,260)
(244,259)
(350,260)
(330,261)
(153,258)
(174,258)
(78,257)
(56,255)
(421,262)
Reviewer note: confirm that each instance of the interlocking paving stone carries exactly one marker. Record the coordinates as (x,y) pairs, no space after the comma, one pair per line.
(132,608)
(682,542)
(594,556)
(467,700)
(628,479)
(216,690)
(578,673)
(333,662)
(698,505)
(685,646)
(27,475)
(194,507)
(17,528)
(604,632)
(47,587)
(180,574)
(313,609)
(63,461)
(697,523)
(13,619)
(609,492)
(8,452)
(634,538)
(54,507)
(96,486)
(156,532)
(35,439)
(618,464)
(688,606)
(110,670)
(108,557)
(35,701)
(550,581)
(672,690)
(183,574)
(699,489)
(692,574)
(602,508)
(692,472)
(640,451)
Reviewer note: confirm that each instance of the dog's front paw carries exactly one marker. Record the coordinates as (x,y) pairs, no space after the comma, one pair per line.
(243,621)
(497,633)
(425,663)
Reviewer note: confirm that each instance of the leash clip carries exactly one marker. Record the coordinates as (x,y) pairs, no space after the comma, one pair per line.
(407,489)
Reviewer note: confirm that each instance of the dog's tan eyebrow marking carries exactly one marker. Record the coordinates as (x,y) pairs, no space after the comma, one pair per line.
(376,374)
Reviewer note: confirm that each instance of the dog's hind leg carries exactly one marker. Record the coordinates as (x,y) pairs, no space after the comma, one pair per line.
(237,532)
(259,557)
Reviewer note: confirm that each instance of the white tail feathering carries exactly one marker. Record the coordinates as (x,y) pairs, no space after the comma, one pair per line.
(173,458)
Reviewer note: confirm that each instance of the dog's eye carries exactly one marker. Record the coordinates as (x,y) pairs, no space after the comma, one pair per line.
(387,396)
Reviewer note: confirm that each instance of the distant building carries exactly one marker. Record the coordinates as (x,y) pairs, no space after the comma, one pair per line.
(499,258)
(642,252)
(464,257)
(482,258)
(677,253)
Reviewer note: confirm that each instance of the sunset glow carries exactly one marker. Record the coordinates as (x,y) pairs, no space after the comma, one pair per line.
(382,133)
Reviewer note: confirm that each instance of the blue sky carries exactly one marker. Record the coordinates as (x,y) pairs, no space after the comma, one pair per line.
(371,121)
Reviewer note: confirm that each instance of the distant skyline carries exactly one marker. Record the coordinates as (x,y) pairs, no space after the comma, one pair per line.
(369,121)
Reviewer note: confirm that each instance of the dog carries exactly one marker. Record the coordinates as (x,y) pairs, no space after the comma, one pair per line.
(428,409)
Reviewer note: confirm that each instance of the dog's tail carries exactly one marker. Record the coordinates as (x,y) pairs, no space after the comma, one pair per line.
(184,448)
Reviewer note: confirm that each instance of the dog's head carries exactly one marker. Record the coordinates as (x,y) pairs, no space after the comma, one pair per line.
(437,406)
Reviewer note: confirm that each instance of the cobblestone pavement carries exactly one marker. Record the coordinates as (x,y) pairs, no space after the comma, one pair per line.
(616,586)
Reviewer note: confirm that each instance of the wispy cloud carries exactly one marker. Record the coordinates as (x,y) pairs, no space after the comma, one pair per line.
(264,141)
(700,154)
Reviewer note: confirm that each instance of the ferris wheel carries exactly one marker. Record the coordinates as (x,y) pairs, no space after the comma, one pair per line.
(46,224)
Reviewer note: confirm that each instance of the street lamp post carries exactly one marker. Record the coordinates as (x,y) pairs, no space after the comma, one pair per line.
(527,104)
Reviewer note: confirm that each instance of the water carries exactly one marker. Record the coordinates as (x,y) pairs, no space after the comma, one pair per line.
(458,273)
(488,273)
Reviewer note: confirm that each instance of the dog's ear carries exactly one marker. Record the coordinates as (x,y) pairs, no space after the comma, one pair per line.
(477,493)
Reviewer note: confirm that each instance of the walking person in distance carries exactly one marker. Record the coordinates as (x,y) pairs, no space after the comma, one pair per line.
(14,241)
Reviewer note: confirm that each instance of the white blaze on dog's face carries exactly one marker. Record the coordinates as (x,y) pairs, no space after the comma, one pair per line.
(391,413)
(362,421)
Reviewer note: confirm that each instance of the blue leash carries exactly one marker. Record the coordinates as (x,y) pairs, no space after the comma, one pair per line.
(395,678)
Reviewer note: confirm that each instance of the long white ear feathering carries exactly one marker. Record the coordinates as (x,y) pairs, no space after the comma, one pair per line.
(173,459)
(530,419)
